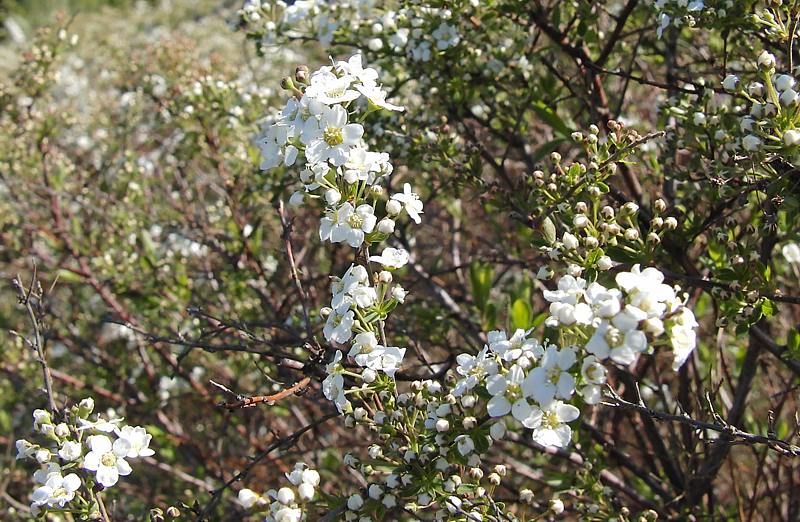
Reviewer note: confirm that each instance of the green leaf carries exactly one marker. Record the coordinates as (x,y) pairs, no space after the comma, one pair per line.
(520,314)
(551,118)
(549,230)
(793,343)
(768,308)
(481,278)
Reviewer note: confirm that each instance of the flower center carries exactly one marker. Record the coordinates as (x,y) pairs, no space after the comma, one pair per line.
(333,136)
(613,337)
(550,419)
(355,221)
(108,460)
(335,92)
(553,374)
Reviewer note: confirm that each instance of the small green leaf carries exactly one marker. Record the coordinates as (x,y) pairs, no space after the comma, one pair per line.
(549,230)
(793,343)
(520,314)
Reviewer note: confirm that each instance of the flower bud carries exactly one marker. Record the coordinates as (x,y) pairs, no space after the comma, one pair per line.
(393,207)
(386,226)
(730,82)
(62,430)
(631,234)
(355,502)
(766,61)
(755,89)
(629,209)
(580,221)
(784,82)
(791,137)
(332,196)
(604,263)
(556,506)
(301,74)
(526,496)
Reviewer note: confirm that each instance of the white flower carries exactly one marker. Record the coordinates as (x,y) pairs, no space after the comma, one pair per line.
(683,336)
(392,257)
(347,290)
(350,224)
(565,308)
(327,88)
(604,302)
(138,439)
(474,368)
(25,449)
(551,379)
(790,251)
(621,345)
(465,444)
(410,202)
(288,514)
(386,359)
(333,385)
(363,343)
(354,67)
(339,327)
(363,165)
(107,460)
(57,491)
(377,96)
(399,293)
(101,424)
(70,450)
(751,143)
(515,347)
(40,418)
(553,430)
(330,138)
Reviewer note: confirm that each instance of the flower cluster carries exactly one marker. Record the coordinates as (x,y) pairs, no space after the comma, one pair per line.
(622,318)
(287,504)
(771,121)
(316,133)
(685,13)
(77,454)
(416,31)
(531,381)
